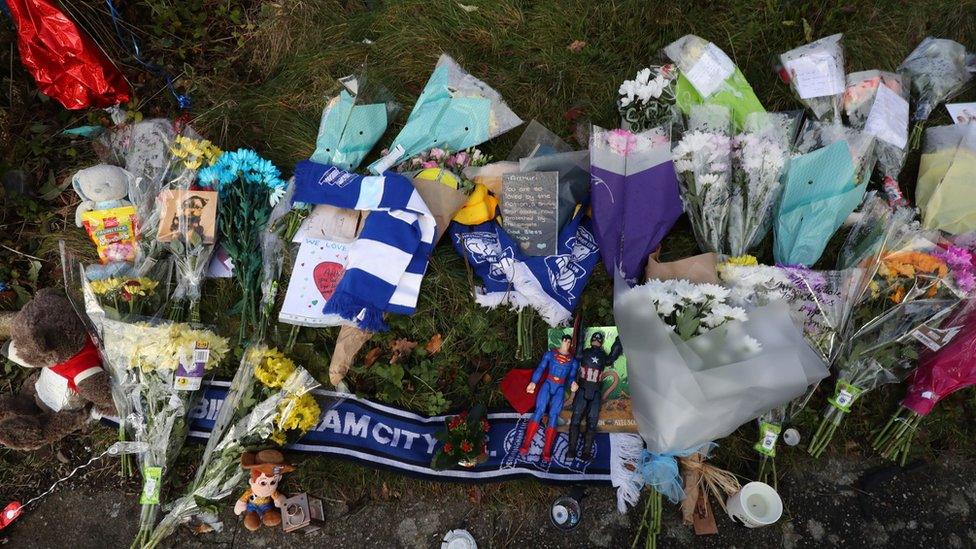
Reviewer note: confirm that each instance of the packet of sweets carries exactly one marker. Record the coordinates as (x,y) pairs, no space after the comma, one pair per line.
(113,231)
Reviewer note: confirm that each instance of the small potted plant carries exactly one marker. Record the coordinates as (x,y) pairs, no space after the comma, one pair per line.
(465,440)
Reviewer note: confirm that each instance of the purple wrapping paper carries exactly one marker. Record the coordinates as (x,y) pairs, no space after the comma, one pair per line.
(634,195)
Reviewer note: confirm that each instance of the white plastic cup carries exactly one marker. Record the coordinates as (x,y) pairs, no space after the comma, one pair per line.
(755,505)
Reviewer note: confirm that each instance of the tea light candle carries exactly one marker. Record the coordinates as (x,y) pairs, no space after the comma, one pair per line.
(756,504)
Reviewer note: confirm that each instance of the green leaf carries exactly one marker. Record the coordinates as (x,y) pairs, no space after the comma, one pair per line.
(688,323)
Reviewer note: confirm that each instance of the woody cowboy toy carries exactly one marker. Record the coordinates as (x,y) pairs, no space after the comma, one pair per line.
(559,368)
(587,401)
(262,502)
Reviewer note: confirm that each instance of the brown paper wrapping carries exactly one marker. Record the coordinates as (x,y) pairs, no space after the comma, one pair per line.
(442,200)
(351,339)
(702,480)
(698,268)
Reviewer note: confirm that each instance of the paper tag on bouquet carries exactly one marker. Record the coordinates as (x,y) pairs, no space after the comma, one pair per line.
(816,74)
(888,119)
(935,338)
(844,396)
(189,372)
(710,71)
(770,435)
(151,485)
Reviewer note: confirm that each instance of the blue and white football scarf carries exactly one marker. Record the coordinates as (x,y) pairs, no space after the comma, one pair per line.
(552,285)
(387,262)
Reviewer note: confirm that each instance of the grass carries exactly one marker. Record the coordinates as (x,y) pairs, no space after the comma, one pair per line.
(258,72)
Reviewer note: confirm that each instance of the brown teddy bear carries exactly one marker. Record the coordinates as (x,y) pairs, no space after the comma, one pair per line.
(48,335)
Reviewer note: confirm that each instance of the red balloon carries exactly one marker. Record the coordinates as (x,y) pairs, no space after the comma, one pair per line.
(66,64)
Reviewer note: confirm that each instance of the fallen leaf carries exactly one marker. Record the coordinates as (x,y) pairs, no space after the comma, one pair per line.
(573,113)
(202,528)
(474,495)
(473,379)
(575,46)
(372,356)
(401,348)
(467,8)
(434,345)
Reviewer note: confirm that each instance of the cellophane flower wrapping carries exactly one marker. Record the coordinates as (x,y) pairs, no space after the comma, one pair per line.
(703,162)
(156,369)
(820,303)
(356,114)
(945,179)
(862,146)
(946,364)
(760,154)
(249,188)
(707,76)
(687,393)
(876,102)
(815,72)
(192,229)
(907,288)
(248,418)
(937,69)
(455,111)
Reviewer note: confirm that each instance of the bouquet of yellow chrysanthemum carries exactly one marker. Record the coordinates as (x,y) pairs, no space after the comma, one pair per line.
(156,369)
(269,397)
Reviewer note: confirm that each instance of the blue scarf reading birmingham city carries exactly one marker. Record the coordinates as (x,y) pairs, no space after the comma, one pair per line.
(378,435)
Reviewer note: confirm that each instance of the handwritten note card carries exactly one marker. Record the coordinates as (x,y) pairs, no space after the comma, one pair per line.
(319,267)
(530,210)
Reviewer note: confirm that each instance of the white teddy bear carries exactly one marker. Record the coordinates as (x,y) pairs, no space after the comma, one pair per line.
(101,187)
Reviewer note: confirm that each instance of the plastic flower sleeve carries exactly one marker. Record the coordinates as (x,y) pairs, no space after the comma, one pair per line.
(759,156)
(455,111)
(876,103)
(703,162)
(822,187)
(355,117)
(156,370)
(635,196)
(879,353)
(937,70)
(944,189)
(220,473)
(815,71)
(687,393)
(708,76)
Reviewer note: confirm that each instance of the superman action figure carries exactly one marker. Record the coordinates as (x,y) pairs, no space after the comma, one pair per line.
(559,367)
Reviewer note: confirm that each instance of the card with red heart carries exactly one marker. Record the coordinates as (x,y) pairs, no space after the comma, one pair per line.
(319,266)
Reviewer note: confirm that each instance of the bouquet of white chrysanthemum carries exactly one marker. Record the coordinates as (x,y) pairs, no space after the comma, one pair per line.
(759,156)
(700,366)
(703,162)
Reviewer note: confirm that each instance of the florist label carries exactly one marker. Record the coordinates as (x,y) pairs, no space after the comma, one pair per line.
(189,372)
(151,485)
(844,396)
(770,435)
(530,210)
(934,338)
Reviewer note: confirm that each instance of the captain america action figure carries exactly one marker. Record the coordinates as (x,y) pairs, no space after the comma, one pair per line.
(559,368)
(587,401)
